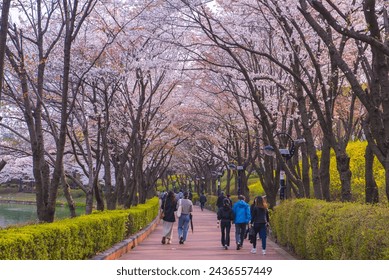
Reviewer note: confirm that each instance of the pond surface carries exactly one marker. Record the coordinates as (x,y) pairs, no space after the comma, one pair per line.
(12,213)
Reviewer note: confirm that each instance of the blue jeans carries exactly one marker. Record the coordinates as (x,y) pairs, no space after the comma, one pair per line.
(261,228)
(240,231)
(225,228)
(183,226)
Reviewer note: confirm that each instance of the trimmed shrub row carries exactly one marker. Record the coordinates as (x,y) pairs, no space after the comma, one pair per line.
(77,238)
(315,229)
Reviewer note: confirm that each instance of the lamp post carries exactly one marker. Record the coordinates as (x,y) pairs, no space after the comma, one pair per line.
(239,169)
(197,185)
(190,184)
(202,184)
(286,153)
(219,175)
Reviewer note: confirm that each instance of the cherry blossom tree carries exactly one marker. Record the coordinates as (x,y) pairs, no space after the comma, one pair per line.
(350,21)
(127,93)
(34,40)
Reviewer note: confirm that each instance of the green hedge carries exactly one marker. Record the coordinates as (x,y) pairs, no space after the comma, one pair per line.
(75,239)
(315,229)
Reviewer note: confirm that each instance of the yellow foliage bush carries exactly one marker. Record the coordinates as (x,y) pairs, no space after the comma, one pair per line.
(77,238)
(356,152)
(316,229)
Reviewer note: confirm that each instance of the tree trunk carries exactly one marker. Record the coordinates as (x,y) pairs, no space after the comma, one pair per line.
(387,176)
(244,185)
(343,166)
(228,182)
(119,181)
(2,164)
(314,163)
(316,178)
(3,40)
(109,191)
(214,187)
(61,139)
(89,201)
(98,194)
(371,188)
(325,170)
(137,153)
(68,196)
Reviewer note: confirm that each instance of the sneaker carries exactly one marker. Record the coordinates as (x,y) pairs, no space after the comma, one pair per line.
(181,240)
(225,247)
(263,252)
(238,246)
(253,251)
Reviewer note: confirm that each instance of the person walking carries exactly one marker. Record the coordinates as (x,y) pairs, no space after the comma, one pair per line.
(224,217)
(179,195)
(184,219)
(202,200)
(219,202)
(190,196)
(242,217)
(229,198)
(259,221)
(168,207)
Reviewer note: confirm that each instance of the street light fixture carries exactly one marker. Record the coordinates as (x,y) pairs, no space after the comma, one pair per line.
(197,184)
(270,151)
(286,153)
(190,184)
(218,175)
(232,166)
(202,184)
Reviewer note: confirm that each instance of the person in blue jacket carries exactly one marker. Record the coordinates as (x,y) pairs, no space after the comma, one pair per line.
(242,216)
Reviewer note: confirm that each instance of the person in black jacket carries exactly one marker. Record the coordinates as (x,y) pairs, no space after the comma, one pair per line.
(259,221)
(202,199)
(220,200)
(225,216)
(169,206)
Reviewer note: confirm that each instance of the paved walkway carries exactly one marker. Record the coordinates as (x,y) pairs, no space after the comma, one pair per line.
(203,244)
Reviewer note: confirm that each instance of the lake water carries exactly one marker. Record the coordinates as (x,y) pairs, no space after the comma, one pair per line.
(11,213)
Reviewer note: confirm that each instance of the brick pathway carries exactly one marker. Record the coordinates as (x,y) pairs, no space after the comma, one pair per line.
(203,244)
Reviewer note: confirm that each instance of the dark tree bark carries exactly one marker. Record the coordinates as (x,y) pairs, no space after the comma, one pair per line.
(325,170)
(2,164)
(3,39)
(375,98)
(34,100)
(371,188)
(68,196)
